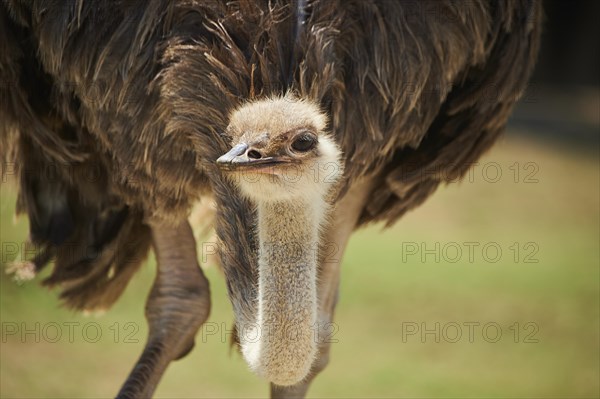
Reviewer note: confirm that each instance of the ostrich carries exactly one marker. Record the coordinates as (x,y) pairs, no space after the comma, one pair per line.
(303,119)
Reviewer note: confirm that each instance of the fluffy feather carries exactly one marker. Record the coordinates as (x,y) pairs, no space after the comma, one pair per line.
(141,91)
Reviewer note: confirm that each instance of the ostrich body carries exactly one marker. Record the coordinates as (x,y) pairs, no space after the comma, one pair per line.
(304,120)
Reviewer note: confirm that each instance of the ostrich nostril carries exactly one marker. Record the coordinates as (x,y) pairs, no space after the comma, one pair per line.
(254,154)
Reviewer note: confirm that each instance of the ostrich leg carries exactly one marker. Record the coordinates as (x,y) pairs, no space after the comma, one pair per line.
(178,305)
(344,218)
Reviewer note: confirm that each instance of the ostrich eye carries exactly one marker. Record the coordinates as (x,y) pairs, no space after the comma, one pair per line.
(304,143)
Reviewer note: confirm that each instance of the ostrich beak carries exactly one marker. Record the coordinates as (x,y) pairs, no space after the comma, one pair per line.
(235,156)
(238,159)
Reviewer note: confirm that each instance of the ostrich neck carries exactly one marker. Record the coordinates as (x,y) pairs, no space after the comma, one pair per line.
(287,295)
(287,232)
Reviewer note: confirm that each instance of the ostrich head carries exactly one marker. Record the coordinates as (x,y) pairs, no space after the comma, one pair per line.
(281,151)
(283,161)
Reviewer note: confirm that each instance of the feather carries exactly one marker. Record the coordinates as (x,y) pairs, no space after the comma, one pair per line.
(141,92)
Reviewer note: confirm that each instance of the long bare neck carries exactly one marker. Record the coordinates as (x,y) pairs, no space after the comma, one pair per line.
(287,232)
(287,298)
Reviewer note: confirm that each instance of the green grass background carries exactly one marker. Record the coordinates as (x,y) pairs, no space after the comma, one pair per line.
(380,295)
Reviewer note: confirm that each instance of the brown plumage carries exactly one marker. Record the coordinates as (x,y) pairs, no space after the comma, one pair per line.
(127,105)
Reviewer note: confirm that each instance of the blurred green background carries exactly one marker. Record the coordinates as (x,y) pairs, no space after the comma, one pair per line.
(542,299)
